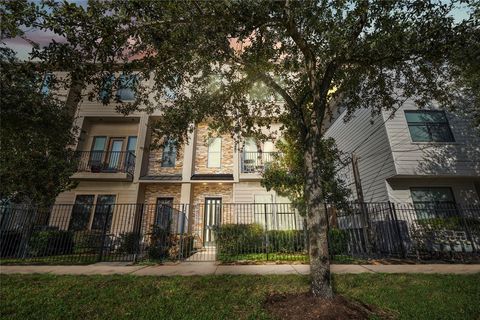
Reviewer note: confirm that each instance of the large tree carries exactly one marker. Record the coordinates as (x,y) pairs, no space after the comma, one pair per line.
(208,59)
(35,163)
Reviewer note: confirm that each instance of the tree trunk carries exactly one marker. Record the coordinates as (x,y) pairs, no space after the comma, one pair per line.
(317,225)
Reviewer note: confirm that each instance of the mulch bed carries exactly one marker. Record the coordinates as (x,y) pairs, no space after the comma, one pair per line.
(306,307)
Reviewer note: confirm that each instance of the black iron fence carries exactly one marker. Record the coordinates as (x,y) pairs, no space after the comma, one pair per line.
(106,161)
(87,233)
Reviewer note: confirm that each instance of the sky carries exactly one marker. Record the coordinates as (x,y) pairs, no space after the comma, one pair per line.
(23,48)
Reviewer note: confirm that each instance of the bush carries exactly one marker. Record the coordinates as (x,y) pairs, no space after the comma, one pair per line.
(52,242)
(88,241)
(338,241)
(286,241)
(165,245)
(129,242)
(240,238)
(10,243)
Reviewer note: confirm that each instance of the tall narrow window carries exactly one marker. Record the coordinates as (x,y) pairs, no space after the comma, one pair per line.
(428,126)
(81,211)
(132,144)
(97,151)
(169,154)
(102,219)
(214,153)
(46,84)
(126,87)
(164,213)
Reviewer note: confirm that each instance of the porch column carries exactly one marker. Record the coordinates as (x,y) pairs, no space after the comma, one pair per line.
(140,149)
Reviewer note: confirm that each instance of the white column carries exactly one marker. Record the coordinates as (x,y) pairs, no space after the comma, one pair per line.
(141,147)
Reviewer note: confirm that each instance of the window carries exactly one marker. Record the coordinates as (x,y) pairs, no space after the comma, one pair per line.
(169,154)
(81,212)
(106,90)
(428,126)
(132,144)
(97,151)
(433,202)
(45,88)
(102,218)
(126,91)
(164,213)
(214,152)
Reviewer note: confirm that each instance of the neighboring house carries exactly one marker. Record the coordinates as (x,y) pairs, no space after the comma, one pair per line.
(413,156)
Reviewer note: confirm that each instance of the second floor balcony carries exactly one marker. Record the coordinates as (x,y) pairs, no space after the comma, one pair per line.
(255,162)
(105,165)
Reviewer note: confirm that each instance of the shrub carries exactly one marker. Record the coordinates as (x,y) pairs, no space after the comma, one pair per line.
(129,242)
(165,245)
(10,243)
(286,241)
(50,242)
(338,241)
(88,241)
(240,238)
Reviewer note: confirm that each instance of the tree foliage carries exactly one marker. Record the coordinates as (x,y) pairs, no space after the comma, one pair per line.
(205,60)
(35,129)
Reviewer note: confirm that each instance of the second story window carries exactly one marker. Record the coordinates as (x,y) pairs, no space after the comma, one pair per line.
(428,126)
(169,154)
(45,88)
(214,153)
(126,87)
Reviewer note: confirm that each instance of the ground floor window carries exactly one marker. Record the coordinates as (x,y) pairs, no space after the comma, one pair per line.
(92,212)
(163,214)
(432,202)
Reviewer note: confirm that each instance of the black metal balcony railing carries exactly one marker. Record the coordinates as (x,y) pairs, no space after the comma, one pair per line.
(106,161)
(255,162)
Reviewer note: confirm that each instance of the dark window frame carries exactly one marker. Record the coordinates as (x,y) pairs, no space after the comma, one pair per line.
(169,154)
(434,209)
(429,126)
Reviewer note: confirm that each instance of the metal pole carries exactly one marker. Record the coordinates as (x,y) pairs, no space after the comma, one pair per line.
(266,229)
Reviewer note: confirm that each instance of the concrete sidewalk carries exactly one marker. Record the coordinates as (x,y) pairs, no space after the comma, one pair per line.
(210,268)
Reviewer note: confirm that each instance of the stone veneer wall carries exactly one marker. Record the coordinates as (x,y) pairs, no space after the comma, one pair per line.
(197,215)
(155,163)
(201,152)
(154,191)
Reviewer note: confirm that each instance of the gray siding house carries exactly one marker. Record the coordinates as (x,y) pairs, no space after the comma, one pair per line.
(411,156)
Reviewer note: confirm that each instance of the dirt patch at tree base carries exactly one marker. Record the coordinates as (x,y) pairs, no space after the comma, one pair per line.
(305,306)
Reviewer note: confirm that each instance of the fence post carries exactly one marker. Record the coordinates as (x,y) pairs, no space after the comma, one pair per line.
(182,230)
(266,229)
(27,235)
(137,225)
(104,233)
(393,212)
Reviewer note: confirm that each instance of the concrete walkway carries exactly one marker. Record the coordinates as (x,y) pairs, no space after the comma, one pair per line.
(210,268)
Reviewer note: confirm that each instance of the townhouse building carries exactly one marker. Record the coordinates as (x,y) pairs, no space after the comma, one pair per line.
(118,165)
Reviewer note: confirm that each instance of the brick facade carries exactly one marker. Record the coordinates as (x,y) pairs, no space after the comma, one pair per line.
(213,190)
(154,191)
(201,152)
(155,163)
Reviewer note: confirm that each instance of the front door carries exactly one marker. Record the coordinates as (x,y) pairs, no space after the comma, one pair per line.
(213,212)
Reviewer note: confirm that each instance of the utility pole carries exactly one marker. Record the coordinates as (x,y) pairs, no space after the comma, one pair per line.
(363,207)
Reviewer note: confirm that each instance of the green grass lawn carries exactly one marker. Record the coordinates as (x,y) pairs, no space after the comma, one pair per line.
(225,297)
(283,257)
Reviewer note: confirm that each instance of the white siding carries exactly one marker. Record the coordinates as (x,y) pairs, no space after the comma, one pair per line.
(463,189)
(375,158)
(460,158)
